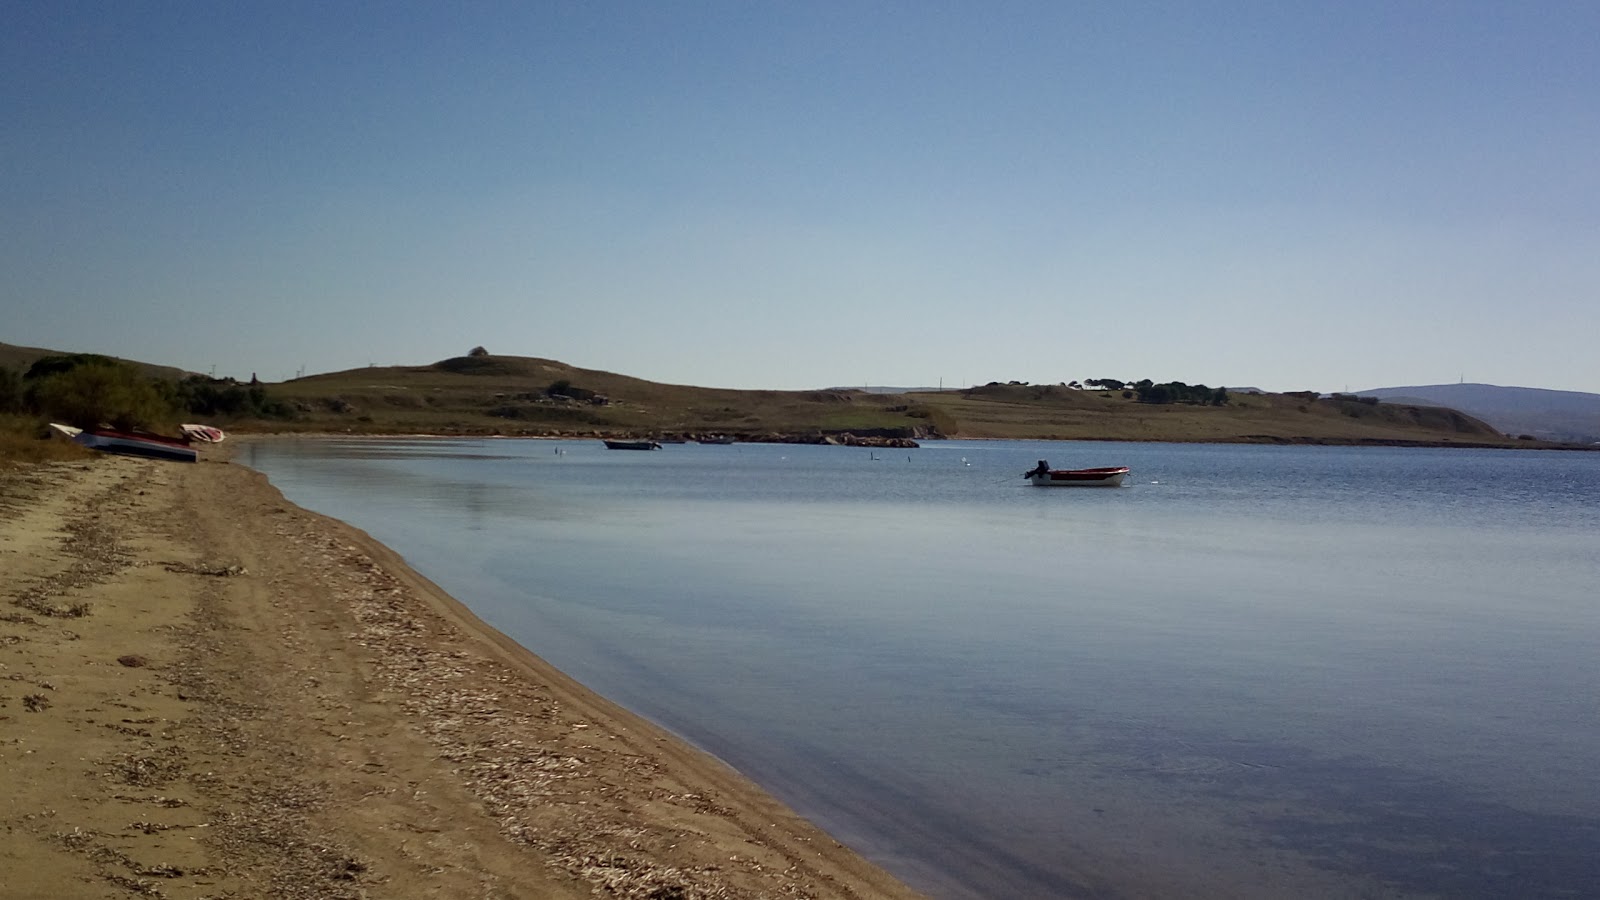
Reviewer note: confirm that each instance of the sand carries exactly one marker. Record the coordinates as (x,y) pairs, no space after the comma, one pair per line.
(207,691)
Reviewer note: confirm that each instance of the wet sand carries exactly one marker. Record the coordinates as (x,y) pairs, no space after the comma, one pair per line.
(207,691)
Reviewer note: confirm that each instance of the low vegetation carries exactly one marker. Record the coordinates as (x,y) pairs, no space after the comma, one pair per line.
(24,439)
(88,390)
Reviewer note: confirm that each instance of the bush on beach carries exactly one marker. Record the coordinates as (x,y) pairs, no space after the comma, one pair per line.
(84,390)
(90,391)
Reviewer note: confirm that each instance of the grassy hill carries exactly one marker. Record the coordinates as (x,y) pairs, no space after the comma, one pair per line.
(1010,411)
(513,395)
(18,359)
(519,395)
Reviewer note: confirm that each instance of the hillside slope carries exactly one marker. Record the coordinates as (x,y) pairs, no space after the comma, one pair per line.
(19,358)
(513,395)
(1544,414)
(523,395)
(1052,411)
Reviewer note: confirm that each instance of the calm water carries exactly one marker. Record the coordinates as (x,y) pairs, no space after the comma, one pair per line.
(1252,672)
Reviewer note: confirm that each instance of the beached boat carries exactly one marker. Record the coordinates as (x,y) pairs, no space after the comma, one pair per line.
(205,434)
(153,446)
(631,445)
(714,439)
(1106,476)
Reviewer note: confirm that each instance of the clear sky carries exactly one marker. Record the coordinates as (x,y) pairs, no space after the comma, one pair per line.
(1287,195)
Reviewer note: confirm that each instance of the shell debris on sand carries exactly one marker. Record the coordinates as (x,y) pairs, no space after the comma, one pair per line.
(254,700)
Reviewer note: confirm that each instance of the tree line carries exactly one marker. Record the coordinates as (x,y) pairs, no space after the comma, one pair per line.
(1148,391)
(89,390)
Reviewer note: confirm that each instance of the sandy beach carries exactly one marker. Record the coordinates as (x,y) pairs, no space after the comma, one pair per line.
(207,691)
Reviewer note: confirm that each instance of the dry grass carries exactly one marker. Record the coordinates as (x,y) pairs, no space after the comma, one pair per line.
(23,442)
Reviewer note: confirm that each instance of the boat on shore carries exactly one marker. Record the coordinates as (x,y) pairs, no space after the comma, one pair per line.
(1105,476)
(714,439)
(129,443)
(631,445)
(204,434)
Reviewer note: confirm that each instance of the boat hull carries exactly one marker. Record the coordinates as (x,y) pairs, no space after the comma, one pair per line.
(136,445)
(202,433)
(1107,476)
(632,445)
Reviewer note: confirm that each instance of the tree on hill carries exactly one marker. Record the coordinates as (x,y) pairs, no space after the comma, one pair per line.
(1178,392)
(477,351)
(56,364)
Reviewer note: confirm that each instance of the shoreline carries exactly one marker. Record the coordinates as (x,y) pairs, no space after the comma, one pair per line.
(1249,440)
(280,706)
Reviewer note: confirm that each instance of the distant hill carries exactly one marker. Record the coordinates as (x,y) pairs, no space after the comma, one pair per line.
(490,394)
(20,358)
(1570,416)
(485,394)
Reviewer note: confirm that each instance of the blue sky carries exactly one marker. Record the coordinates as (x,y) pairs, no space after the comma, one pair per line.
(791,195)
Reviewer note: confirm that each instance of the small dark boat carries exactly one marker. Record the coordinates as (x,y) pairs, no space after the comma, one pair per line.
(1105,476)
(631,445)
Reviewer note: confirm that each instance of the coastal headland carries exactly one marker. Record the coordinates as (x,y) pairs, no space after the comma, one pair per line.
(207,691)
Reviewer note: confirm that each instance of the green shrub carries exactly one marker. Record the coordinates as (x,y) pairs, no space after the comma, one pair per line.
(10,391)
(57,364)
(213,397)
(95,392)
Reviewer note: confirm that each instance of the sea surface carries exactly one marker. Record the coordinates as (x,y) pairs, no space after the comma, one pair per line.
(1252,671)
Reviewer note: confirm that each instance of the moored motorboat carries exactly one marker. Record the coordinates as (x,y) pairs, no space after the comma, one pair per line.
(631,445)
(1105,476)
